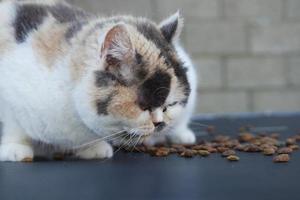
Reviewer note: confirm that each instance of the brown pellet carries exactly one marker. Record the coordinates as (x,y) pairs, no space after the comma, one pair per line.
(297,137)
(203,153)
(265,146)
(246,137)
(294,147)
(222,149)
(239,147)
(187,153)
(269,151)
(233,158)
(290,141)
(173,150)
(199,147)
(251,148)
(151,149)
(212,150)
(231,143)
(160,153)
(285,150)
(228,153)
(281,158)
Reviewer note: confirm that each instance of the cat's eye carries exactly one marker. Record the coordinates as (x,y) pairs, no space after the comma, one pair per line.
(144,108)
(173,104)
(170,105)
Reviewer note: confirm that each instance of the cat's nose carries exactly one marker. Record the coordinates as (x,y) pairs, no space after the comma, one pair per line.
(159,125)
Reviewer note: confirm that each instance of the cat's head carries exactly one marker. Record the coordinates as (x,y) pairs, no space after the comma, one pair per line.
(143,86)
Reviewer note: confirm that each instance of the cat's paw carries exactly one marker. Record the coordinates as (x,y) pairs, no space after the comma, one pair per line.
(185,136)
(16,152)
(153,140)
(99,150)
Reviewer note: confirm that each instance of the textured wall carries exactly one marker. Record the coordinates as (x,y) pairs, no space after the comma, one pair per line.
(248,51)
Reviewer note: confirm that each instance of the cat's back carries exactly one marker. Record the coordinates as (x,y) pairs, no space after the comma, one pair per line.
(20,20)
(7,16)
(31,37)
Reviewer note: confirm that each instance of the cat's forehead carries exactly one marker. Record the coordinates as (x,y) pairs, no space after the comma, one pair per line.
(159,54)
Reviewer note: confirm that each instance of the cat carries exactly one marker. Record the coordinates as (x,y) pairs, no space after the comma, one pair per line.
(84,83)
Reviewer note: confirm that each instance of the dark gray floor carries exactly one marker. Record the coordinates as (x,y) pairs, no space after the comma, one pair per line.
(138,176)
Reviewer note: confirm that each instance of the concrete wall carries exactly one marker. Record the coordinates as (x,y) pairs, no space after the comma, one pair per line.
(247,51)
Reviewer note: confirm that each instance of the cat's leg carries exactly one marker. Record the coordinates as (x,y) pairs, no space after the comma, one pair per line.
(15,144)
(182,134)
(98,150)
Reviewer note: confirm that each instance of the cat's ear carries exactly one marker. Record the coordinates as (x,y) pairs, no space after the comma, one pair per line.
(116,47)
(171,27)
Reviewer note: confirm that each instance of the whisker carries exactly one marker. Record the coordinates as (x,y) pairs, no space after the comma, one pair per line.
(97,140)
(137,142)
(114,136)
(122,144)
(200,124)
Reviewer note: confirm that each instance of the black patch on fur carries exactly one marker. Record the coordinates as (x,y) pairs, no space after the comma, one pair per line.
(154,91)
(167,51)
(141,74)
(28,18)
(104,79)
(140,70)
(74,29)
(138,58)
(64,13)
(103,104)
(169,30)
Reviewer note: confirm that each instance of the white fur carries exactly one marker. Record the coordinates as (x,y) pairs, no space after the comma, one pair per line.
(100,150)
(47,106)
(15,152)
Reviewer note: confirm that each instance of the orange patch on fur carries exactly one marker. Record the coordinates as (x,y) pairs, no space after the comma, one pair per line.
(49,43)
(123,104)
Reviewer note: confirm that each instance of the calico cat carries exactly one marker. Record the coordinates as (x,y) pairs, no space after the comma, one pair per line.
(69,78)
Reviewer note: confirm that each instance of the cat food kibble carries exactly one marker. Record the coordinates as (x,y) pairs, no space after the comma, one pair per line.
(269,151)
(284,150)
(294,147)
(222,149)
(281,158)
(203,153)
(246,137)
(187,153)
(245,142)
(228,153)
(161,152)
(290,141)
(233,158)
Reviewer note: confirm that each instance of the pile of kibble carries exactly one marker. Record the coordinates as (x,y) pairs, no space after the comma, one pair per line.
(266,144)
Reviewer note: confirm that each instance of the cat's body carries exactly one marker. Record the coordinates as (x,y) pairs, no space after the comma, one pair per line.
(65,80)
